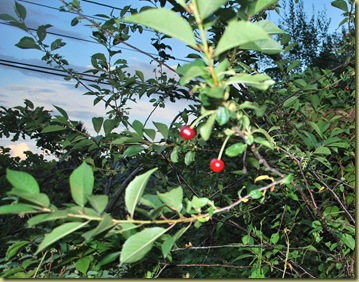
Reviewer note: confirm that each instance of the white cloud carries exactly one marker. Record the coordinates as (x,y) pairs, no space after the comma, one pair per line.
(17,150)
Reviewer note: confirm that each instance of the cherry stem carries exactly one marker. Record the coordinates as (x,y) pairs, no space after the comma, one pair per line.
(200,118)
(223,146)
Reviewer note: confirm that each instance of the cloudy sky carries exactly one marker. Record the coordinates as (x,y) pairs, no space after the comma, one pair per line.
(16,85)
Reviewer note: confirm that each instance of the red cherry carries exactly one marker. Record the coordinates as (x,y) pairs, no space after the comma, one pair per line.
(216,165)
(347,88)
(187,132)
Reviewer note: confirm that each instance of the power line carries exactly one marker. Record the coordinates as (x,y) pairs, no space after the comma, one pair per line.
(63,73)
(43,70)
(92,2)
(104,5)
(97,18)
(57,9)
(95,42)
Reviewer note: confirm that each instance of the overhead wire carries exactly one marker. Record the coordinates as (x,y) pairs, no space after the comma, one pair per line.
(62,73)
(93,17)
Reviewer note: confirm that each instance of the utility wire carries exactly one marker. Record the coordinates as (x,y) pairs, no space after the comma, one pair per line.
(93,17)
(63,73)
(57,9)
(43,70)
(95,42)
(103,5)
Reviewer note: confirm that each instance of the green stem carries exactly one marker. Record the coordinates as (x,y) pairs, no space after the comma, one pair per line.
(223,146)
(42,259)
(200,118)
(206,49)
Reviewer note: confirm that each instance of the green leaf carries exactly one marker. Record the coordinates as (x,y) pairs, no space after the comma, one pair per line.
(140,75)
(189,157)
(138,245)
(133,150)
(97,123)
(52,128)
(315,101)
(264,142)
(189,71)
(58,233)
(173,198)
(222,115)
(168,243)
(266,46)
(135,190)
(257,273)
(109,258)
(22,181)
(259,81)
(16,209)
(274,238)
(127,140)
(255,194)
(208,7)
(260,5)
(41,31)
(270,27)
(215,92)
(288,102)
(293,65)
(150,132)
(174,154)
(331,211)
(316,128)
(162,128)
(138,127)
(293,196)
(75,21)
(322,151)
(340,4)
(258,110)
(128,229)
(151,201)
(81,183)
(62,112)
(159,148)
(324,161)
(20,11)
(198,203)
(59,214)
(58,43)
(348,240)
(104,225)
(288,179)
(40,199)
(109,125)
(235,149)
(83,264)
(98,202)
(13,249)
(206,129)
(175,26)
(249,33)
(27,43)
(19,25)
(6,17)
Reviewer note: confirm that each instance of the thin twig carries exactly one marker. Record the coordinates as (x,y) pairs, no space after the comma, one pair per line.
(205,265)
(334,194)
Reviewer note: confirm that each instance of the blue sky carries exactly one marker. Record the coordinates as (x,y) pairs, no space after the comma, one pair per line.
(44,90)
